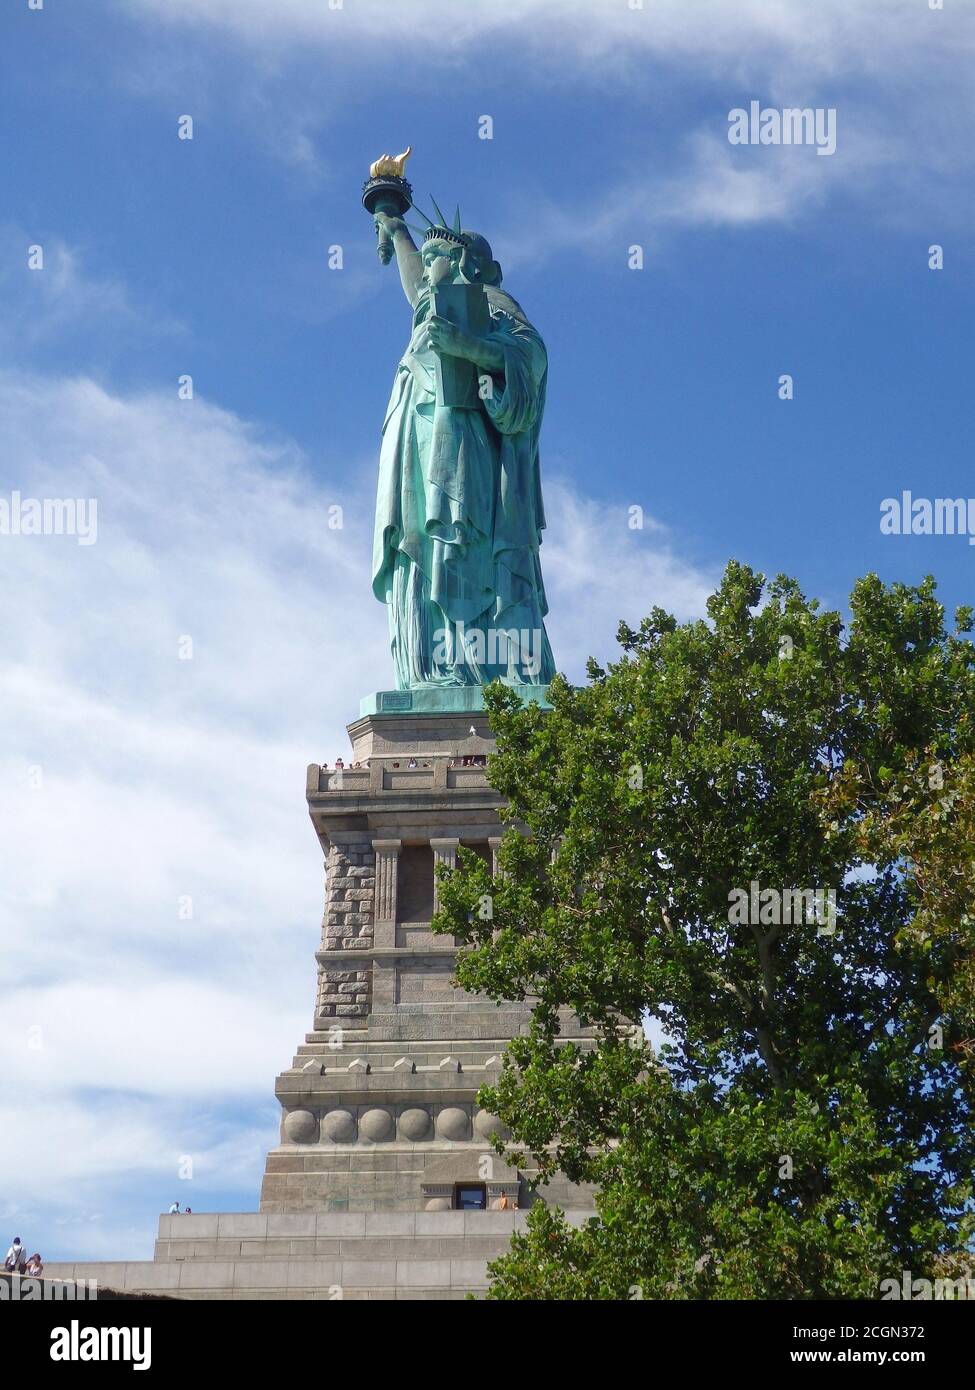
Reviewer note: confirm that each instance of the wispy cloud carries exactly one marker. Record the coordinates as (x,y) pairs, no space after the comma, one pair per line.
(716,185)
(600,569)
(832,38)
(50,289)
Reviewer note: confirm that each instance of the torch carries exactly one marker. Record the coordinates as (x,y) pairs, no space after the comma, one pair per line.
(387,191)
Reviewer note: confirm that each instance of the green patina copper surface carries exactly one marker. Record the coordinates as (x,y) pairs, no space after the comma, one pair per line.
(459,509)
(442,699)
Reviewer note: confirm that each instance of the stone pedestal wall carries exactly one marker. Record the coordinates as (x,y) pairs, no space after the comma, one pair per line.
(379,1105)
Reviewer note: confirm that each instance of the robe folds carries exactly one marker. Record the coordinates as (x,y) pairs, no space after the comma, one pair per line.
(459,517)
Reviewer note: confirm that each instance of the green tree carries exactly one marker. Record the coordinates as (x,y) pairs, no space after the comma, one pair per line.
(796,1134)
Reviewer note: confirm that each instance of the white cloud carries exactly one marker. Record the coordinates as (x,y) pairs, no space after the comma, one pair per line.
(715,185)
(726,185)
(162,778)
(831,37)
(896,72)
(97,1139)
(178,1032)
(599,570)
(86,1178)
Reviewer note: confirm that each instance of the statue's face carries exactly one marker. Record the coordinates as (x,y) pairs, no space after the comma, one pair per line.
(441,262)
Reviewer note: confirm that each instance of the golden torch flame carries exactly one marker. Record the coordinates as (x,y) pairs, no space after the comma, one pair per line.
(388,164)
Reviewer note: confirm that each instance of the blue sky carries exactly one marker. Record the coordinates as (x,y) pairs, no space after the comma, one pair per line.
(158,1036)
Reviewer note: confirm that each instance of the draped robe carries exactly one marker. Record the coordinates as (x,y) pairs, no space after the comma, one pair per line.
(459,517)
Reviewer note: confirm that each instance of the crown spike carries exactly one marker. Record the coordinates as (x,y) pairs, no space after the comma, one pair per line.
(457,219)
(443,220)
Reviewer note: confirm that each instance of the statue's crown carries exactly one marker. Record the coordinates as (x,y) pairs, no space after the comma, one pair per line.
(445,234)
(439,230)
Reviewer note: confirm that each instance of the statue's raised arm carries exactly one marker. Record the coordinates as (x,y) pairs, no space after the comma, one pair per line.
(395,236)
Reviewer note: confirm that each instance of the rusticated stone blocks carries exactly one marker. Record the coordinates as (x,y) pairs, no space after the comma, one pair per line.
(350,886)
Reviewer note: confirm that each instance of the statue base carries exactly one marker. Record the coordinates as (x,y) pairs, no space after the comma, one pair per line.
(443,699)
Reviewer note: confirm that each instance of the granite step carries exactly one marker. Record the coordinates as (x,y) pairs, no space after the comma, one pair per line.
(319,1255)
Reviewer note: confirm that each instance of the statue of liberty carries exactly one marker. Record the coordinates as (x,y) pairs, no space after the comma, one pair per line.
(459,506)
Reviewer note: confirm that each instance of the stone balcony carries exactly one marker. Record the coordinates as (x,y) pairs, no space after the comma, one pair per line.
(438,773)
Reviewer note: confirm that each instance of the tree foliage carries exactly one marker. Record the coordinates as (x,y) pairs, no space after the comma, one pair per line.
(804,1127)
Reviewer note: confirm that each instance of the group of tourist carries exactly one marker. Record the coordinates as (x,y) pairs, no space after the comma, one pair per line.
(17,1261)
(175,1211)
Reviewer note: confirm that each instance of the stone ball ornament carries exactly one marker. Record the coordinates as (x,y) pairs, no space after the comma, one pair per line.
(453,1123)
(376,1125)
(487,1126)
(414,1124)
(339,1126)
(301,1127)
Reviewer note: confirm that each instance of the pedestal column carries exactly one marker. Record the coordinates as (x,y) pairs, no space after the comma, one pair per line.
(387,863)
(444,852)
(384,968)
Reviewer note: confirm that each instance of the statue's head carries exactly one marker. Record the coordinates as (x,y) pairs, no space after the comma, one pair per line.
(458,258)
(456,255)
